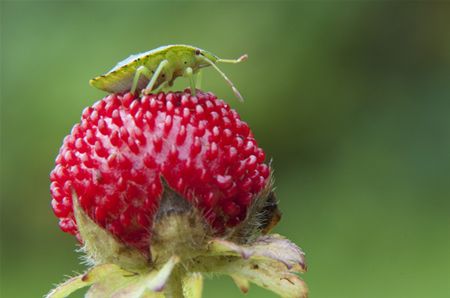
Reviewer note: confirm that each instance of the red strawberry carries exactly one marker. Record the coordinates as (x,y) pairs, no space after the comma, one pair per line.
(163,189)
(118,159)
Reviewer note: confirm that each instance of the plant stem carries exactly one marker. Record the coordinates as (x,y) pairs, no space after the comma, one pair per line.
(174,287)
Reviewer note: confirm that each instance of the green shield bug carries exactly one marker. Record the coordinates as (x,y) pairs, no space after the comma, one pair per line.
(161,66)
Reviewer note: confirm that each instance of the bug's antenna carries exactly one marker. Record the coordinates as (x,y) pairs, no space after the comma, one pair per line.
(234,61)
(242,58)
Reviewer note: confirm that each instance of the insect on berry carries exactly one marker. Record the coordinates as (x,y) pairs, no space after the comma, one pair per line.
(163,188)
(160,67)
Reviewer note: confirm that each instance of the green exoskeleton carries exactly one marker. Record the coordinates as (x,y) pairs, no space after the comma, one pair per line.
(147,71)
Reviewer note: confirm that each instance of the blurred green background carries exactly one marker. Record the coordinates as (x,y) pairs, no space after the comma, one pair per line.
(351,100)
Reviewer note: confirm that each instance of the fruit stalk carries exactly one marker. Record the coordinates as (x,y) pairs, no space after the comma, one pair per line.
(174,285)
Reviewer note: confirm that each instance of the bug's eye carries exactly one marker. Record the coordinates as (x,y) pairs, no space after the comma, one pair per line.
(197,52)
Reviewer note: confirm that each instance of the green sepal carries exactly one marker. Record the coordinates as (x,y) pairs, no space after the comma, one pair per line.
(94,275)
(272,247)
(155,282)
(101,247)
(241,283)
(271,262)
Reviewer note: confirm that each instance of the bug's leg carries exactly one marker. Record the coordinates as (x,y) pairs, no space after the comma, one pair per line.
(190,74)
(155,76)
(229,82)
(141,70)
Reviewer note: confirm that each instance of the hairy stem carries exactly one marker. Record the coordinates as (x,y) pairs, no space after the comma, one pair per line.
(174,287)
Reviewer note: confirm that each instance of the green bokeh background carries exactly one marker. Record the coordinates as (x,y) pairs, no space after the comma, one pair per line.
(351,100)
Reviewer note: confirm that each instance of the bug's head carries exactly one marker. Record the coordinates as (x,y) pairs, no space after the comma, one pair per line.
(202,53)
(208,59)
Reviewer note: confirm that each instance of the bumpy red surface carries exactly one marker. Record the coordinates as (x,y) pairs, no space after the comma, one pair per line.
(115,158)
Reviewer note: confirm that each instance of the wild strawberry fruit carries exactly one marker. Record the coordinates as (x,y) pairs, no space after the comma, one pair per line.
(119,157)
(149,183)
